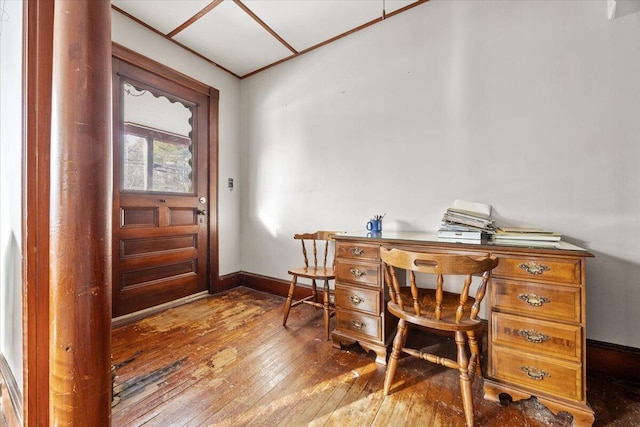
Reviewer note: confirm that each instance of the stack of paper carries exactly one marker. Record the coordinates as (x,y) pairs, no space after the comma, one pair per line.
(465,221)
(526,235)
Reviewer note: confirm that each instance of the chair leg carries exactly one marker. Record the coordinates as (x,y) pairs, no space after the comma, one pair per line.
(314,291)
(398,343)
(465,381)
(326,308)
(475,353)
(287,304)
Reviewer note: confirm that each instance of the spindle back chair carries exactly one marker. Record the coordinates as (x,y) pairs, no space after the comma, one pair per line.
(438,309)
(316,269)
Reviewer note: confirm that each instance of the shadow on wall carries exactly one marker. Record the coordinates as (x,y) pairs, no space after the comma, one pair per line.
(11,308)
(615,300)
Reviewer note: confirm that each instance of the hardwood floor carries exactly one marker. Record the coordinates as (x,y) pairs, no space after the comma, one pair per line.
(227,361)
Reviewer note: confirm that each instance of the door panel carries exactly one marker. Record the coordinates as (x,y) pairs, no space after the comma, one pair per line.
(160,227)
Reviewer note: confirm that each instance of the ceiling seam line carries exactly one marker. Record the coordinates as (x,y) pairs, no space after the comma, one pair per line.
(339,36)
(161,34)
(264,25)
(208,8)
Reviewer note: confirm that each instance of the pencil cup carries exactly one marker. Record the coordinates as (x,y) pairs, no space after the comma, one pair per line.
(374,225)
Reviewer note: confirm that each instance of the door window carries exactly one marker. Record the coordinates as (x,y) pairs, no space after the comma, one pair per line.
(157,153)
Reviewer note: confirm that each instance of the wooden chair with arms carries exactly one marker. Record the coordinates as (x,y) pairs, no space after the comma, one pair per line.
(314,271)
(438,309)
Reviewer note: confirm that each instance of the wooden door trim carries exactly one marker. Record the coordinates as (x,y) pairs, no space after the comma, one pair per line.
(39,349)
(134,58)
(148,64)
(213,277)
(37,70)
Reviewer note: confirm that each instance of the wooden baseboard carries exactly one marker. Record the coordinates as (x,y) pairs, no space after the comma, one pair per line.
(274,286)
(603,358)
(613,360)
(228,281)
(11,396)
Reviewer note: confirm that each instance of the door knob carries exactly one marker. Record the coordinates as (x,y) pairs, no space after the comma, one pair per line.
(202,211)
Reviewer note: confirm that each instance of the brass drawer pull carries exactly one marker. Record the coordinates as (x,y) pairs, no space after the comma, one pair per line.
(356,251)
(357,324)
(357,273)
(533,299)
(356,299)
(535,373)
(534,336)
(534,268)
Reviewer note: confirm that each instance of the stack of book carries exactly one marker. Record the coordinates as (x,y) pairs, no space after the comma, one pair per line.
(466,222)
(526,236)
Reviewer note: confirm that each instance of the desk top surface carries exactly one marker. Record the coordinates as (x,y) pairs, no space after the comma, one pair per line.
(420,237)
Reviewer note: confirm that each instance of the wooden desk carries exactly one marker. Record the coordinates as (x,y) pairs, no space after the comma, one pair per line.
(536,310)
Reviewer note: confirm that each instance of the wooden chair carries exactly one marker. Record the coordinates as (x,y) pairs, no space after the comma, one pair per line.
(437,309)
(314,271)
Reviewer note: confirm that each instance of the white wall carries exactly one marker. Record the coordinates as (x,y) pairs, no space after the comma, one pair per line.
(135,37)
(529,106)
(11,186)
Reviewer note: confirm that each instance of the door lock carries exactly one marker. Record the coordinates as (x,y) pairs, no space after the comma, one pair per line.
(202,211)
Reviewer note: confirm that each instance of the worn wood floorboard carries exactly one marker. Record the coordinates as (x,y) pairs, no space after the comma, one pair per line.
(193,337)
(274,366)
(340,386)
(272,371)
(212,353)
(274,405)
(227,361)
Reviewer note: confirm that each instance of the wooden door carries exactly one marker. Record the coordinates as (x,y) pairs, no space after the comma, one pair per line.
(160,201)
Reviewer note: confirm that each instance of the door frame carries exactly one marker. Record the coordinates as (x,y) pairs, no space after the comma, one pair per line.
(47,277)
(36,98)
(151,66)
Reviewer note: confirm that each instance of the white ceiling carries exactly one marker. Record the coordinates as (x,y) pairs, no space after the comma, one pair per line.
(247,36)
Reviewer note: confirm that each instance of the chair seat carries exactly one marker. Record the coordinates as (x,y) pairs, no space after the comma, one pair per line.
(427,302)
(322,273)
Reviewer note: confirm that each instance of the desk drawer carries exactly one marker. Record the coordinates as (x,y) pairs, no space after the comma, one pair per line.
(357,251)
(560,270)
(359,324)
(360,299)
(551,338)
(355,272)
(536,299)
(553,376)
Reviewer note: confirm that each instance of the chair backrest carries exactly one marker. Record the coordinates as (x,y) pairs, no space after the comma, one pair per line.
(440,265)
(318,240)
